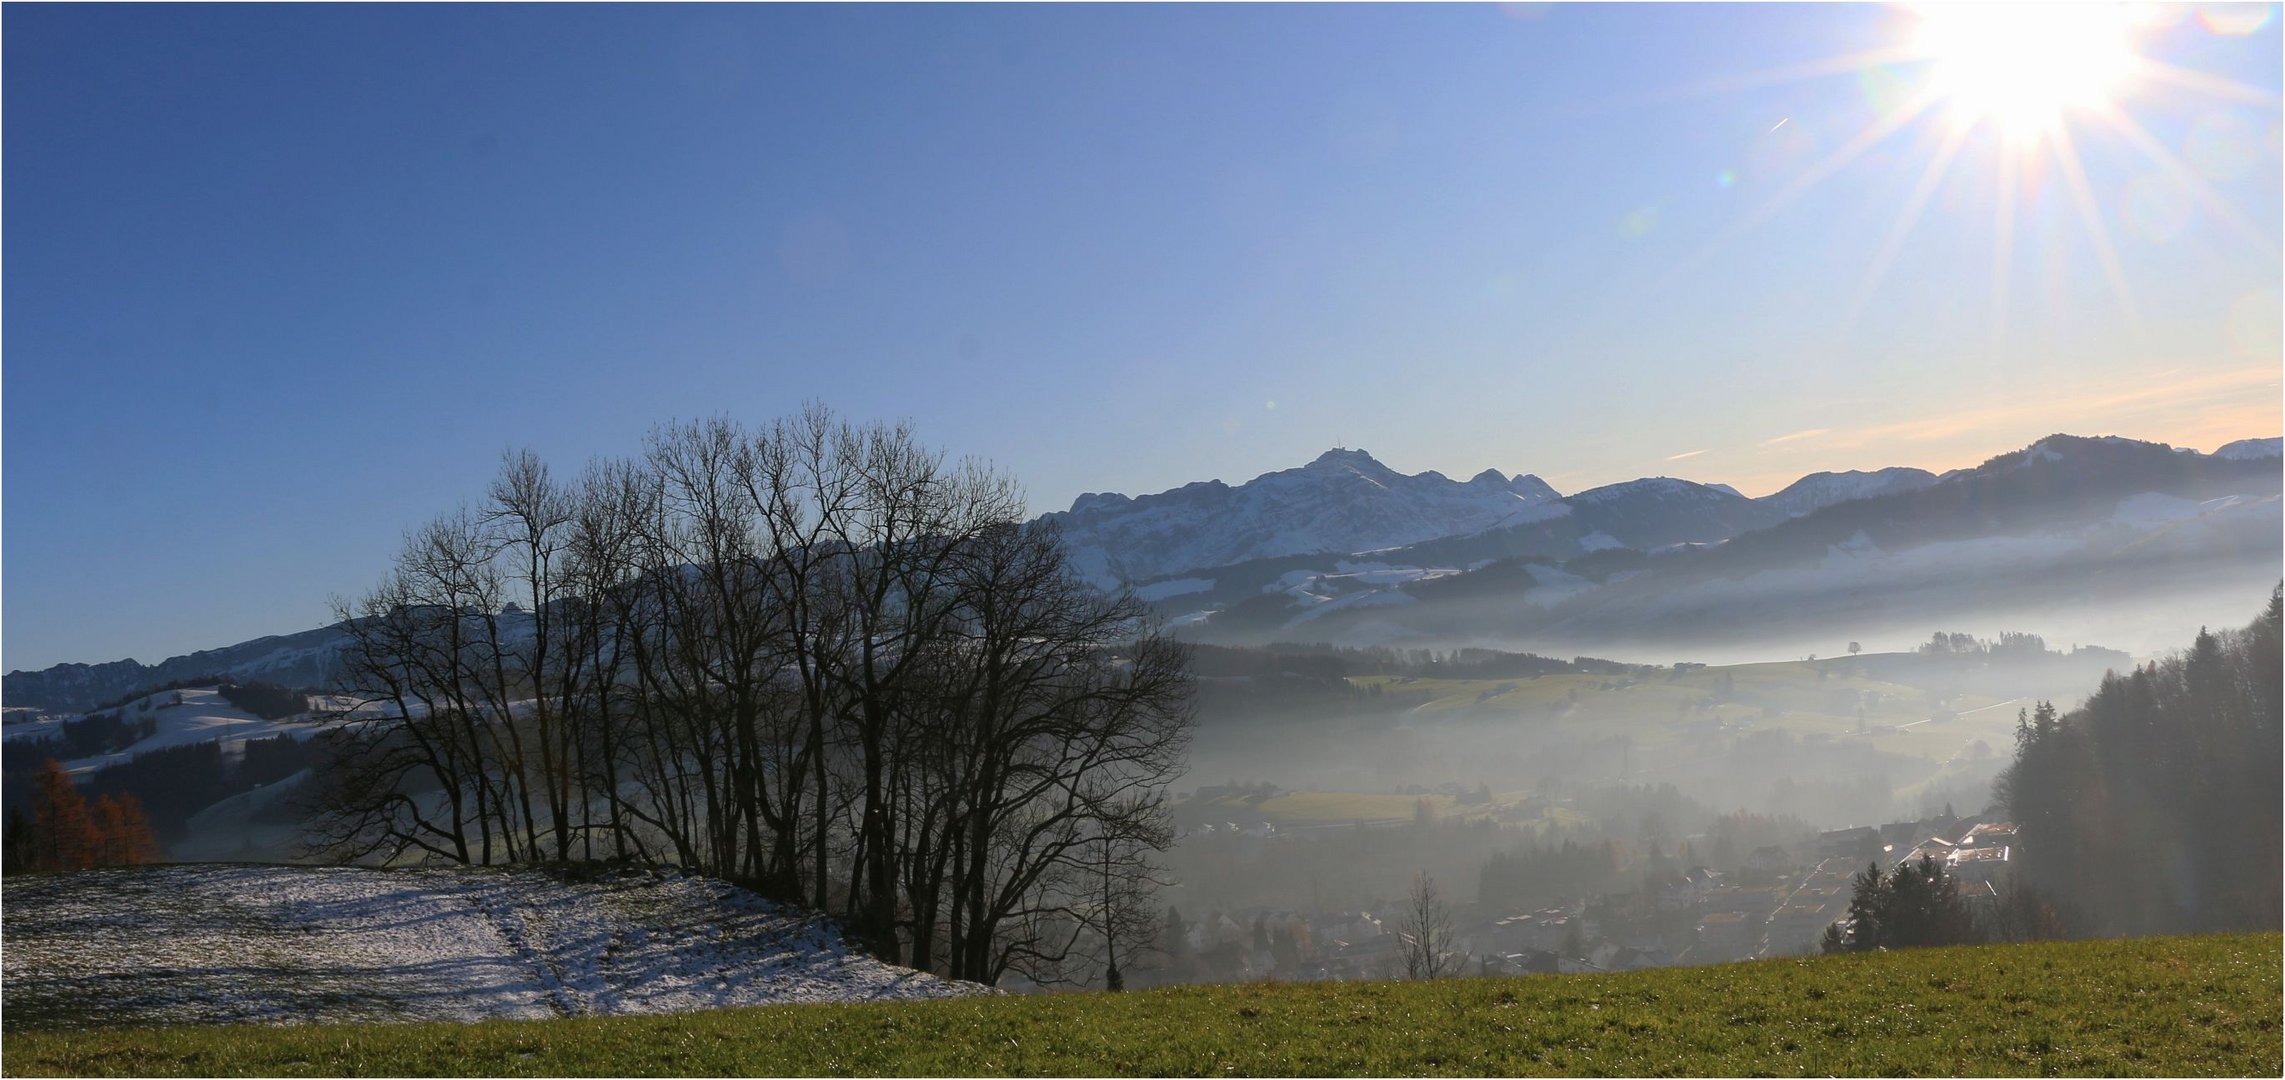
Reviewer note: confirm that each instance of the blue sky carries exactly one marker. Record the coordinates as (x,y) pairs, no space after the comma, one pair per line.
(283,282)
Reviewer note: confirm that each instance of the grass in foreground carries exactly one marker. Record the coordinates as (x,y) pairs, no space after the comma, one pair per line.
(2168,1006)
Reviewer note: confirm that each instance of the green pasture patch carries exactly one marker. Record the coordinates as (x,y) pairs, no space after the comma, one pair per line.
(2162,1006)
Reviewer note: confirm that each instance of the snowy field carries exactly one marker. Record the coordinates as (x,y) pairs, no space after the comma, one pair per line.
(213,943)
(201,716)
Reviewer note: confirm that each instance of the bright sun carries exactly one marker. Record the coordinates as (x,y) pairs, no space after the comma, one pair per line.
(2043,77)
(2022,66)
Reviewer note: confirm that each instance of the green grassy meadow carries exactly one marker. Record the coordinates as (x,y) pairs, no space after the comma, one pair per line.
(2164,1006)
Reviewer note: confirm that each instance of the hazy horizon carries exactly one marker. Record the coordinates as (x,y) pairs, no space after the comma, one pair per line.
(285,281)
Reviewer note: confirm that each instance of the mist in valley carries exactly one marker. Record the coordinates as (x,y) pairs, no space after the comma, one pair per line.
(1325,779)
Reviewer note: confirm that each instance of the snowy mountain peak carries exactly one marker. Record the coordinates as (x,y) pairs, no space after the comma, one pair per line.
(1659,487)
(2059,446)
(1819,490)
(1533,489)
(1344,458)
(1345,501)
(1098,502)
(2251,449)
(2073,452)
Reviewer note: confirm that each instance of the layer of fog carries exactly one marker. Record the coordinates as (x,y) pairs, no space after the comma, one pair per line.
(2146,619)
(1812,775)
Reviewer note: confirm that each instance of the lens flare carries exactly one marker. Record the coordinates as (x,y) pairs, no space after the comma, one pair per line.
(2022,66)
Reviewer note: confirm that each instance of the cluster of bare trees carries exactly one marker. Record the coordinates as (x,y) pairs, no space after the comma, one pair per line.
(816,658)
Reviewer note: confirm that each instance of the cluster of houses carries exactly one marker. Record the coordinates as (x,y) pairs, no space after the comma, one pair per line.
(1978,851)
(1790,920)
(1779,905)
(1549,941)
(1361,945)
(1260,830)
(1305,948)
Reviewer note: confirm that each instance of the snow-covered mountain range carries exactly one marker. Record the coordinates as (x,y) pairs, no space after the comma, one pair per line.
(1817,491)
(1343,501)
(2252,449)
(1348,503)
(1265,557)
(2066,521)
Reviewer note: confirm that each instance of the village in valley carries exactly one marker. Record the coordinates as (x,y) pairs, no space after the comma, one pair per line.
(1779,900)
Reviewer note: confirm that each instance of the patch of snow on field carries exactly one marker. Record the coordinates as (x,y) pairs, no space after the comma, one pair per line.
(2152,508)
(1378,598)
(1382,574)
(206,943)
(203,716)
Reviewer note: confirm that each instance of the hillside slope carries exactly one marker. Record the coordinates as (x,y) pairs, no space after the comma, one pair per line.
(2071,530)
(177,718)
(206,944)
(307,658)
(2152,1007)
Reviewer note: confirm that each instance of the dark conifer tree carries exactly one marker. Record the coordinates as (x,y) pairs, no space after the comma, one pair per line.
(2175,759)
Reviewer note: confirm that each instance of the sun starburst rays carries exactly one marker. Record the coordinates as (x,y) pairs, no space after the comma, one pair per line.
(2026,84)
(2083,199)
(2212,86)
(2213,201)
(2002,255)
(1872,135)
(1906,219)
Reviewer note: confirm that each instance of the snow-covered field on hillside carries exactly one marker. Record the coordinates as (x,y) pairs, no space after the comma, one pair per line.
(181,717)
(213,943)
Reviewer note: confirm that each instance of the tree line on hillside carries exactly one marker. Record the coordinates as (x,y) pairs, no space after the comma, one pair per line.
(2153,808)
(264,699)
(116,726)
(2012,646)
(817,659)
(88,736)
(267,700)
(63,831)
(167,785)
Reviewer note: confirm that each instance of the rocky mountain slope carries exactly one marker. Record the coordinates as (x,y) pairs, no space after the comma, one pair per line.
(1342,502)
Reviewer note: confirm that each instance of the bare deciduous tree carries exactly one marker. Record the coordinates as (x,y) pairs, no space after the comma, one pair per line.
(1426,932)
